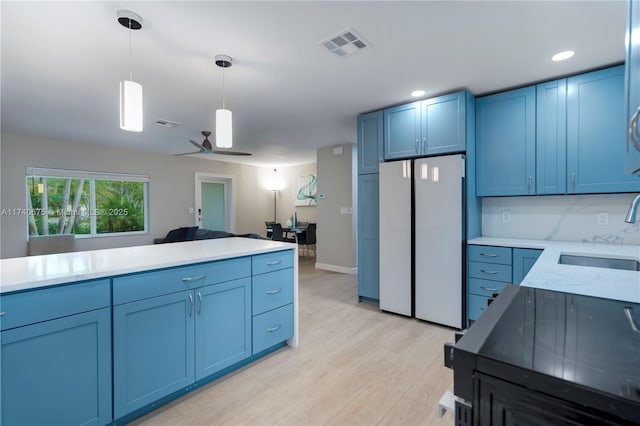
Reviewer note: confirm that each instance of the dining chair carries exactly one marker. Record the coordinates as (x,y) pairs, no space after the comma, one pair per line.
(307,239)
(268,224)
(277,234)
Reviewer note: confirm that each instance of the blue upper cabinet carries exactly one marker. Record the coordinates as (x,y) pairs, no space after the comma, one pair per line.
(443,124)
(632,81)
(551,137)
(595,133)
(505,143)
(370,139)
(402,131)
(430,127)
(368,238)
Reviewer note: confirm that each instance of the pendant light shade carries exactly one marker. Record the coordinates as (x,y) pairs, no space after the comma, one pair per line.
(224,128)
(224,120)
(130,91)
(130,106)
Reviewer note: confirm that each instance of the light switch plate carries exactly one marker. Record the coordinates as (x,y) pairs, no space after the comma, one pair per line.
(603,218)
(506,216)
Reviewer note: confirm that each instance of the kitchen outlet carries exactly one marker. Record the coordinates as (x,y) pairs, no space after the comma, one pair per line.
(506,216)
(190,210)
(603,218)
(346,210)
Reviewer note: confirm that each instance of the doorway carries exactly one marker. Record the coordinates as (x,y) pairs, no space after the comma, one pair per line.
(214,202)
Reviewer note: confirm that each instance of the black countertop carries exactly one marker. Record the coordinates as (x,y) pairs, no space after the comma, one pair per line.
(579,348)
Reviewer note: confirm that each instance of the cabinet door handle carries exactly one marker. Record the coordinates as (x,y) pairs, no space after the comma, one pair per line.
(529,181)
(190,305)
(277,290)
(196,278)
(489,288)
(199,303)
(2,314)
(424,145)
(573,179)
(417,146)
(274,262)
(488,272)
(627,313)
(489,254)
(634,133)
(276,328)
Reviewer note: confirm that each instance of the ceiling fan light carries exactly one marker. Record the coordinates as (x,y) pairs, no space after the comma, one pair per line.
(130,106)
(224,130)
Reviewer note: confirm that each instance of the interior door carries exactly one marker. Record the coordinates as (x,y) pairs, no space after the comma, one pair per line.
(212,212)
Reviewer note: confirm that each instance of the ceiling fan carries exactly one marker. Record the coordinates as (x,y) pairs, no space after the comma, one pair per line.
(206,148)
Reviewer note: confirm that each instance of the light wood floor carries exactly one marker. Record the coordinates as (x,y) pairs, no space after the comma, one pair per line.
(355,366)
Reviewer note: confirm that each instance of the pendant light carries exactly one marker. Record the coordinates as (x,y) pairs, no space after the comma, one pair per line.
(130,91)
(224,128)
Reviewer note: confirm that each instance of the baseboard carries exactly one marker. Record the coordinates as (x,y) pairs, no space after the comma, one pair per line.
(335,268)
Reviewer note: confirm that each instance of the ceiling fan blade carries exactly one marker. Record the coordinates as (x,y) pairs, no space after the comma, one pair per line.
(197,145)
(220,152)
(190,153)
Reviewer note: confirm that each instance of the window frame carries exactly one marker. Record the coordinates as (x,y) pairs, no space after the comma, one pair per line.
(32,172)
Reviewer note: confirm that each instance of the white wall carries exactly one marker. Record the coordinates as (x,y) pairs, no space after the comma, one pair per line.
(171,189)
(561,218)
(336,248)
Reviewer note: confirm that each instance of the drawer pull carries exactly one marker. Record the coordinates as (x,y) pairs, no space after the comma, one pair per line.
(276,328)
(277,290)
(196,278)
(2,314)
(489,254)
(488,288)
(274,262)
(190,305)
(488,272)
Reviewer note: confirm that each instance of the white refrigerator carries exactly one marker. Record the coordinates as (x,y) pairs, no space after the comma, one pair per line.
(421,238)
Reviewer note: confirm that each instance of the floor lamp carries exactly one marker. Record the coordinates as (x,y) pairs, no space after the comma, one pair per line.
(275,195)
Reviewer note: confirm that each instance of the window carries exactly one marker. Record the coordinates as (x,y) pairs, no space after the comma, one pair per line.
(85,203)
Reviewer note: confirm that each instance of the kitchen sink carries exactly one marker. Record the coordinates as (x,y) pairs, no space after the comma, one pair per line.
(600,262)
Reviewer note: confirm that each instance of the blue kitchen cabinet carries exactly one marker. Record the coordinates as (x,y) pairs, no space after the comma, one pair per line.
(430,127)
(551,137)
(489,269)
(56,355)
(523,260)
(153,349)
(368,239)
(223,326)
(402,131)
(443,127)
(632,90)
(505,143)
(370,141)
(595,133)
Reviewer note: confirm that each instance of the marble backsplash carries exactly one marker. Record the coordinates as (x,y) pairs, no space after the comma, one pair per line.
(561,218)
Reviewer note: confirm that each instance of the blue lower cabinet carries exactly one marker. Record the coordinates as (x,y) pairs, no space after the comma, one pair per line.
(272,327)
(223,326)
(523,260)
(477,305)
(58,372)
(153,349)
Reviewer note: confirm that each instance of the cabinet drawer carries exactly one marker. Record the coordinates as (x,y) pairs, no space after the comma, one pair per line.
(272,290)
(485,287)
(150,284)
(490,254)
(268,262)
(490,271)
(30,307)
(477,305)
(272,328)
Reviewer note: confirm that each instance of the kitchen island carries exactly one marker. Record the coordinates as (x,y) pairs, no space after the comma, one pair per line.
(108,335)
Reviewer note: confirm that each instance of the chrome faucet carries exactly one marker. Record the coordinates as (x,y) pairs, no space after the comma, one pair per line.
(633,210)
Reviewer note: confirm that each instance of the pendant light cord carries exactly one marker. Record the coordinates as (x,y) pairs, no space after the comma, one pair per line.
(223,106)
(130,55)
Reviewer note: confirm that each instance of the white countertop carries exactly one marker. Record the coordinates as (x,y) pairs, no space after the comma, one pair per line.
(548,274)
(31,272)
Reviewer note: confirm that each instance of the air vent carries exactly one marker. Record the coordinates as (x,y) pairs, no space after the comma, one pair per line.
(167,123)
(345,43)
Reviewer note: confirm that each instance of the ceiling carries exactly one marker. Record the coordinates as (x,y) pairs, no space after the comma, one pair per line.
(62,62)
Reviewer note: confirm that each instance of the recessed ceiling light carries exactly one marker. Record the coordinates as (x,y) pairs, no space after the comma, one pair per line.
(417,93)
(562,55)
